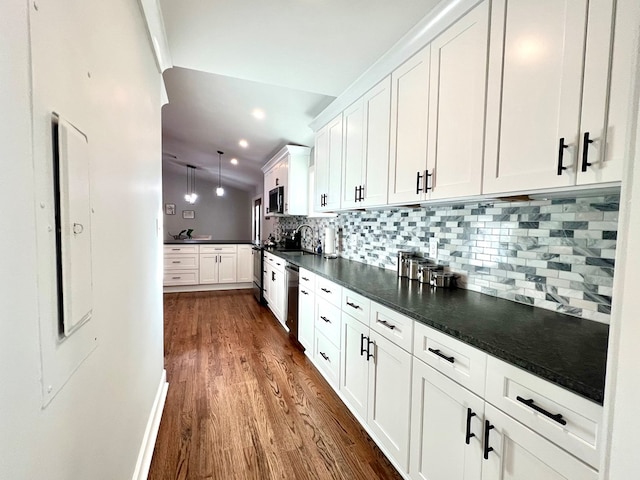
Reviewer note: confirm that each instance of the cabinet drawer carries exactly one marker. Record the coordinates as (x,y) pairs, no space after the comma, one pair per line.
(328,290)
(462,363)
(392,325)
(575,425)
(356,305)
(327,359)
(181,262)
(173,249)
(276,262)
(181,277)
(218,249)
(308,279)
(328,320)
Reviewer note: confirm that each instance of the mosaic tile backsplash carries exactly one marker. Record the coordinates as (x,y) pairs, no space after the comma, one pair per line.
(555,254)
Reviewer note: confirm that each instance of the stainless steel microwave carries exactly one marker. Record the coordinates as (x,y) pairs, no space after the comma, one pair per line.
(276,200)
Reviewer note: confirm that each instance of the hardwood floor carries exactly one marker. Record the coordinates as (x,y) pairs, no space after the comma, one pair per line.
(244,404)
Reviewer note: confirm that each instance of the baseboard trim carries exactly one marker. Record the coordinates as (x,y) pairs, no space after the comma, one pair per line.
(207,287)
(151,432)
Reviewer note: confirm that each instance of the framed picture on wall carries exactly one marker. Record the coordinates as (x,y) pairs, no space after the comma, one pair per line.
(188,214)
(169,208)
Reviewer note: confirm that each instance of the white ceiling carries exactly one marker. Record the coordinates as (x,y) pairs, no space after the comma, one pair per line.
(288,57)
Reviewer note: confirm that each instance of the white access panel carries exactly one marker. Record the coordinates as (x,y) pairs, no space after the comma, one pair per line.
(74,226)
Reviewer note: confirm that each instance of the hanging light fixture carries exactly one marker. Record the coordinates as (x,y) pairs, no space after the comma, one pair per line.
(191,195)
(220,190)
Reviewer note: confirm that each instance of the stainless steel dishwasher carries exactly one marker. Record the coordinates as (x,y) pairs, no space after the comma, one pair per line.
(292,278)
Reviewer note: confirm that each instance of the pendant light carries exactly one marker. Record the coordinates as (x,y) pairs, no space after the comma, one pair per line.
(220,190)
(191,195)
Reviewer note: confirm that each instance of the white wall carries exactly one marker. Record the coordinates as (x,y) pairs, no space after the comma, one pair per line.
(94,427)
(224,218)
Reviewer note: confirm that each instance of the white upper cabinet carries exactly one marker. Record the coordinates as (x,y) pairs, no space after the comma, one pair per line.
(457,107)
(536,60)
(409,128)
(289,169)
(328,166)
(366,148)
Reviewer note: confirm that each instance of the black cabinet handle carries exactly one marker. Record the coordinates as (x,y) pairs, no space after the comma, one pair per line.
(278,264)
(355,194)
(353,305)
(325,319)
(553,416)
(437,352)
(418,177)
(325,290)
(303,292)
(369,343)
(427,176)
(585,151)
(561,147)
(387,324)
(305,279)
(362,349)
(470,415)
(277,182)
(361,193)
(487,428)
(325,356)
(273,276)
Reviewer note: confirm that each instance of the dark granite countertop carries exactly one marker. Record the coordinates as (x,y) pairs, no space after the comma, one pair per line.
(568,351)
(207,242)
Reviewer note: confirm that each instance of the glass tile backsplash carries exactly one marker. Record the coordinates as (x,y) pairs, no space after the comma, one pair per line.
(555,254)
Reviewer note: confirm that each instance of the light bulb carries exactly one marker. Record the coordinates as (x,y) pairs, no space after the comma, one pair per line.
(187,197)
(219,191)
(194,197)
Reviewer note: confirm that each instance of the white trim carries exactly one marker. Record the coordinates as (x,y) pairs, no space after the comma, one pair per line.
(208,288)
(151,432)
(432,25)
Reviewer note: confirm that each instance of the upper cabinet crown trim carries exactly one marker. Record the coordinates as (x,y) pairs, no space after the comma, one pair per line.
(283,152)
(432,25)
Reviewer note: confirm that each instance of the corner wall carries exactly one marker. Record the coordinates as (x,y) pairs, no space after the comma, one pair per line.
(94,427)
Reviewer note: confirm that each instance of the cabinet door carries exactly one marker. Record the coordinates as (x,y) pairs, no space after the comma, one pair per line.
(334,170)
(306,324)
(439,411)
(353,153)
(457,105)
(244,266)
(520,453)
(376,128)
(282,180)
(227,264)
(269,184)
(209,267)
(593,165)
(354,365)
(409,122)
(266,284)
(390,397)
(277,291)
(534,90)
(321,167)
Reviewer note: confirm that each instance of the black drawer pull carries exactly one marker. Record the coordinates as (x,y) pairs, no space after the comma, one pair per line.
(556,417)
(585,151)
(561,148)
(362,349)
(353,305)
(325,319)
(176,261)
(303,292)
(325,290)
(487,428)
(305,279)
(387,324)
(470,415)
(176,278)
(437,352)
(325,356)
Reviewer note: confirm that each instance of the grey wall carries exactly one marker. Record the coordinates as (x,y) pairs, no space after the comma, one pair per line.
(225,218)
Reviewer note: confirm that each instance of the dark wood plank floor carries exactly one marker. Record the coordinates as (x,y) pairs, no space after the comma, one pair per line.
(244,404)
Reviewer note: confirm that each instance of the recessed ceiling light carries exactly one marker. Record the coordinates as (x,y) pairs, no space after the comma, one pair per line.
(234,161)
(258,113)
(243,143)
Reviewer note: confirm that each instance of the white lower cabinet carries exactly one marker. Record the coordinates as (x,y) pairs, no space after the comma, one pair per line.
(244,264)
(275,287)
(217,268)
(446,433)
(306,326)
(390,397)
(354,370)
(516,453)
